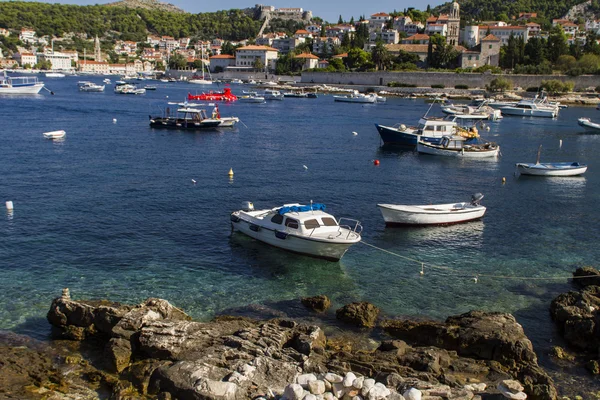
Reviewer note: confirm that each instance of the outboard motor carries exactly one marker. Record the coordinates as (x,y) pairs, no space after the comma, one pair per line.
(248,206)
(476,198)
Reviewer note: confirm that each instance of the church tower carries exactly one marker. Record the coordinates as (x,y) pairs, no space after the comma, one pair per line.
(453,25)
(97,53)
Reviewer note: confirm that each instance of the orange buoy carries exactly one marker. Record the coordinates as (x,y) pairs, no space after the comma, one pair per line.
(375,162)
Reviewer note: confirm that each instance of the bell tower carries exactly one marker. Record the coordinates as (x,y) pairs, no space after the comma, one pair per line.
(453,25)
(97,52)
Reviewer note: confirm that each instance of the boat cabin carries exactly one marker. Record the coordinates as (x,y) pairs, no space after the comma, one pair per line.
(436,127)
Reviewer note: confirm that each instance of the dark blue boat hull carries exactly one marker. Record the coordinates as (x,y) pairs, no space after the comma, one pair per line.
(395,137)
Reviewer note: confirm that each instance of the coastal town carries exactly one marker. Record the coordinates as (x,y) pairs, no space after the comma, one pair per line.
(313,46)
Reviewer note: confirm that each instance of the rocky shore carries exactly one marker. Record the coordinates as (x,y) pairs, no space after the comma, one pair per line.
(155,351)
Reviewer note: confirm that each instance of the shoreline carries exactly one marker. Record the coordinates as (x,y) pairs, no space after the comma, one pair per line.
(155,349)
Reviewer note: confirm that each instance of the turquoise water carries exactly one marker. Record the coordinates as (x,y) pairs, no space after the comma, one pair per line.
(112,212)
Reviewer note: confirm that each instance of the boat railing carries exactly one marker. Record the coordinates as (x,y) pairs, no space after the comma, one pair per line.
(352,225)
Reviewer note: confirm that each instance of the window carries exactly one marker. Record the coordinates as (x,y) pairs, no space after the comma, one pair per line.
(329,221)
(490,46)
(277,219)
(311,224)
(291,223)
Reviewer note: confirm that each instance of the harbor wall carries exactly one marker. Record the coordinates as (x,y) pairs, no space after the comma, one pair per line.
(449,79)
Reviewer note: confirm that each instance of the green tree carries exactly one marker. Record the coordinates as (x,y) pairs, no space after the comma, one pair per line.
(565,63)
(589,63)
(381,56)
(336,64)
(358,59)
(557,43)
(340,20)
(591,45)
(259,65)
(177,61)
(499,84)
(535,51)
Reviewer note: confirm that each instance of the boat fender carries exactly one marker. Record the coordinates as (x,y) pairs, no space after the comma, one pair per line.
(281,235)
(402,127)
(235,218)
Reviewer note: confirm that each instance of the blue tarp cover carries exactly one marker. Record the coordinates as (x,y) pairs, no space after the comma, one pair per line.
(314,206)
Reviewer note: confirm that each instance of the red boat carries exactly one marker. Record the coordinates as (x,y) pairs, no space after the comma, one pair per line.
(225,95)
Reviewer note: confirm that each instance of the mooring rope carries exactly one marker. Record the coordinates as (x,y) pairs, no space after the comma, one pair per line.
(473,275)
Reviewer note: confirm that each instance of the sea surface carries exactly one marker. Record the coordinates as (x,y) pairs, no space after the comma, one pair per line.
(112,210)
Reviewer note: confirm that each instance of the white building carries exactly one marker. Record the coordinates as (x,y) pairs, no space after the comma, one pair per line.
(286,45)
(378,21)
(324,44)
(246,56)
(472,35)
(314,29)
(25,58)
(27,36)
(309,61)
(221,61)
(59,61)
(440,29)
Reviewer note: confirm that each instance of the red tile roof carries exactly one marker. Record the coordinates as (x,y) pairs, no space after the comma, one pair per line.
(223,56)
(490,38)
(254,47)
(307,56)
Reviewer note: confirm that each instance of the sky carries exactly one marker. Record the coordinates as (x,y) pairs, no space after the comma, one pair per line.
(329,10)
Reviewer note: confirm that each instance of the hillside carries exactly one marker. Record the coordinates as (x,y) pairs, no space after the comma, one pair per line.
(125,23)
(487,10)
(147,4)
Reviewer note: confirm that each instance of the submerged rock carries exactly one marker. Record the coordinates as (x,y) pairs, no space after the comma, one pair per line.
(317,303)
(361,314)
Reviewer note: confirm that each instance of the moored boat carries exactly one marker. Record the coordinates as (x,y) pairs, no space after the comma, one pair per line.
(551,169)
(188,117)
(54,134)
(251,98)
(87,86)
(303,229)
(429,130)
(20,84)
(459,146)
(433,214)
(532,108)
(225,95)
(272,94)
(357,97)
(55,75)
(588,125)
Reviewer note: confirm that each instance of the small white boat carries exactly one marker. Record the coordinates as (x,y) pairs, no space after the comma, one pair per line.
(380,99)
(237,81)
(532,108)
(271,94)
(357,97)
(588,125)
(303,229)
(251,98)
(55,75)
(107,81)
(54,134)
(465,112)
(459,146)
(550,169)
(200,81)
(86,86)
(433,214)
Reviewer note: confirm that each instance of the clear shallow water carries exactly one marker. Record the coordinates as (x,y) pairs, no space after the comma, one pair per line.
(111,211)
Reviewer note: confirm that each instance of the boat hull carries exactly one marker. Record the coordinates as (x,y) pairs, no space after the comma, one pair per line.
(54,134)
(424,148)
(314,248)
(398,137)
(554,169)
(588,125)
(529,113)
(25,89)
(365,100)
(178,124)
(445,214)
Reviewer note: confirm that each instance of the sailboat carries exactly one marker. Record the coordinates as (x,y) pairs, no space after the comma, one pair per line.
(201,81)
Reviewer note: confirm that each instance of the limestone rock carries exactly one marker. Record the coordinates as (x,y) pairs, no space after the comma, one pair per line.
(378,392)
(361,314)
(349,379)
(117,353)
(576,315)
(338,390)
(304,379)
(317,303)
(586,276)
(367,385)
(310,396)
(293,392)
(358,382)
(316,387)
(412,394)
(333,378)
(512,389)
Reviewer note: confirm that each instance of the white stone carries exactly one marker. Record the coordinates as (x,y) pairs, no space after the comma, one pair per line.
(310,396)
(476,387)
(218,389)
(395,396)
(305,379)
(327,385)
(357,397)
(358,382)
(247,370)
(338,390)
(412,394)
(367,385)
(333,378)
(348,379)
(511,386)
(316,387)
(293,392)
(328,396)
(378,392)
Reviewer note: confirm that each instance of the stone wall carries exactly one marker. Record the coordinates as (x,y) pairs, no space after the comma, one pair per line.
(449,79)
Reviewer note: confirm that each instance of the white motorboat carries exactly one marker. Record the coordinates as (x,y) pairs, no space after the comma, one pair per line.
(466,112)
(304,229)
(532,108)
(106,81)
(588,125)
(237,81)
(357,97)
(54,134)
(459,146)
(271,94)
(86,86)
(550,169)
(20,84)
(55,75)
(251,98)
(200,81)
(380,99)
(429,129)
(128,89)
(433,214)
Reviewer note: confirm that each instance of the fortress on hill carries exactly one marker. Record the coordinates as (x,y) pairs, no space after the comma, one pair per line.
(269,12)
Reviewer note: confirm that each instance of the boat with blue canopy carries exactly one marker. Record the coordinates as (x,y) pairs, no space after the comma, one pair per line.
(300,228)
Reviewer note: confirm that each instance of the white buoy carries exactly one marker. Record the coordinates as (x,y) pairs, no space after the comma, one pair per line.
(305,167)
(355,133)
(487,128)
(475,279)
(167,97)
(9,205)
(560,143)
(114,120)
(194,181)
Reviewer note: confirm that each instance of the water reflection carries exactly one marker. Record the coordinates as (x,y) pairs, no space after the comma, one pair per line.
(467,235)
